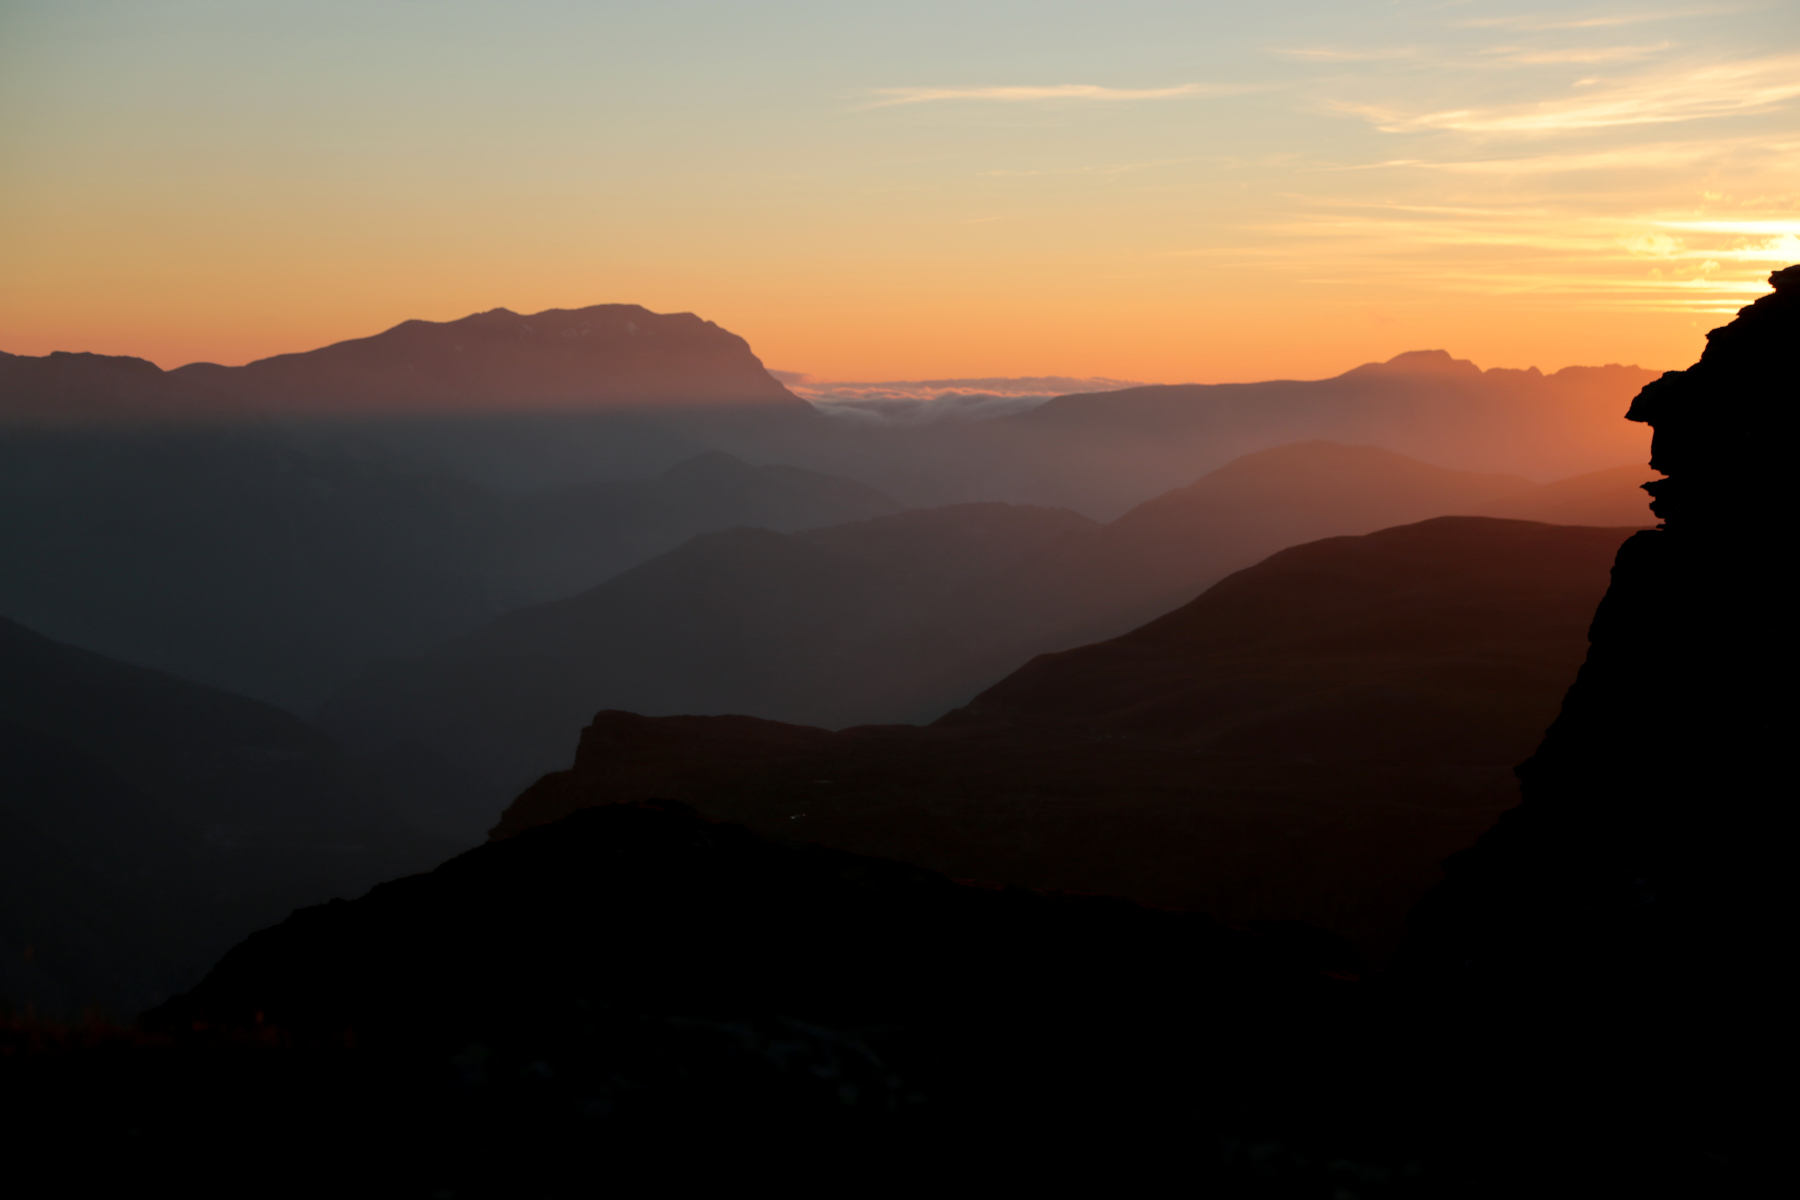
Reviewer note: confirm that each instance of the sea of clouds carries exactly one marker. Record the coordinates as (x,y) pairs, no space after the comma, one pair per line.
(922,401)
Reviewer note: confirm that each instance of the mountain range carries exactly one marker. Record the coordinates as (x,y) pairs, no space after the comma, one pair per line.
(1104,453)
(280,571)
(519,402)
(621,988)
(1305,741)
(602,357)
(899,619)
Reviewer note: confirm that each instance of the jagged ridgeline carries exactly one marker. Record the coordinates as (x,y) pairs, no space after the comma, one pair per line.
(635,992)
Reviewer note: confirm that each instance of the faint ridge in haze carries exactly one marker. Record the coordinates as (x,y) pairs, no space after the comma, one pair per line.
(876,622)
(147,823)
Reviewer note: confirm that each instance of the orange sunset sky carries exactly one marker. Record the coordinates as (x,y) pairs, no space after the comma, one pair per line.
(1150,191)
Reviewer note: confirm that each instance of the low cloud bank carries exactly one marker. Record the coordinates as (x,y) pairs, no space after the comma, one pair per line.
(923,401)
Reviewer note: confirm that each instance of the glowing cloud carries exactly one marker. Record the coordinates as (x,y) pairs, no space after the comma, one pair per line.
(1538,23)
(1683,94)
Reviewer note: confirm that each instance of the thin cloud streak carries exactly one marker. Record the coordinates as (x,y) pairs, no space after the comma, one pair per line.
(1062,91)
(1537,23)
(1654,157)
(1694,93)
(1604,54)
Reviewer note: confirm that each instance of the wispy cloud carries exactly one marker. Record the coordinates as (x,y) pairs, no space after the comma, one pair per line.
(1546,247)
(1654,156)
(1597,54)
(1789,228)
(1685,93)
(888,97)
(1542,23)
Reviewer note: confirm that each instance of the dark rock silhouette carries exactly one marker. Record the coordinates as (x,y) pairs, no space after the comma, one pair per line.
(634,978)
(1643,835)
(153,822)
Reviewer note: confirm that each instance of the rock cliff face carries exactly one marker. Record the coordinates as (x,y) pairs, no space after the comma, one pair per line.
(1646,833)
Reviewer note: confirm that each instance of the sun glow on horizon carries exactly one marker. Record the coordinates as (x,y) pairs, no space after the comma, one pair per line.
(1156,191)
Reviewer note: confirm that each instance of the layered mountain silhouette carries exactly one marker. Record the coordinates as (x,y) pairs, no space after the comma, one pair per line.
(743,620)
(1105,452)
(152,822)
(607,356)
(1305,741)
(634,993)
(279,571)
(519,402)
(894,620)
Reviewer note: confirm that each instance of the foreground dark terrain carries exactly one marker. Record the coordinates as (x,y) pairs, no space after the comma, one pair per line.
(635,997)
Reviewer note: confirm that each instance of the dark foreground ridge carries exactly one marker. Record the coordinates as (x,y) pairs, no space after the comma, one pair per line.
(633,995)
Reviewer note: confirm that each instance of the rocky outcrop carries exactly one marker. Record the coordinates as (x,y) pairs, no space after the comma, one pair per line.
(1646,835)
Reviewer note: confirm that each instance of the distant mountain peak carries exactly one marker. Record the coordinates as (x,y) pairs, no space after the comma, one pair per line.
(1420,362)
(604,356)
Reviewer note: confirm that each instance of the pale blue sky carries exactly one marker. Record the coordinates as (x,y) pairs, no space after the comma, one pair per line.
(1143,190)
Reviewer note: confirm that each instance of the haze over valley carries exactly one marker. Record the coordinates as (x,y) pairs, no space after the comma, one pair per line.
(718,598)
(406,541)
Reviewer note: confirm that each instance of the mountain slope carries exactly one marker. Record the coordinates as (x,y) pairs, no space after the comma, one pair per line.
(1098,583)
(608,356)
(836,627)
(1305,741)
(1105,452)
(278,571)
(744,620)
(182,817)
(63,388)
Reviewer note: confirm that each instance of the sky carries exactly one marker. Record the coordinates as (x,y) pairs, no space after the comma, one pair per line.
(1170,192)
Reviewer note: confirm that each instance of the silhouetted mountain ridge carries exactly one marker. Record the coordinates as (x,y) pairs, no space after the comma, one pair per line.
(739,620)
(273,570)
(895,620)
(607,356)
(1304,741)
